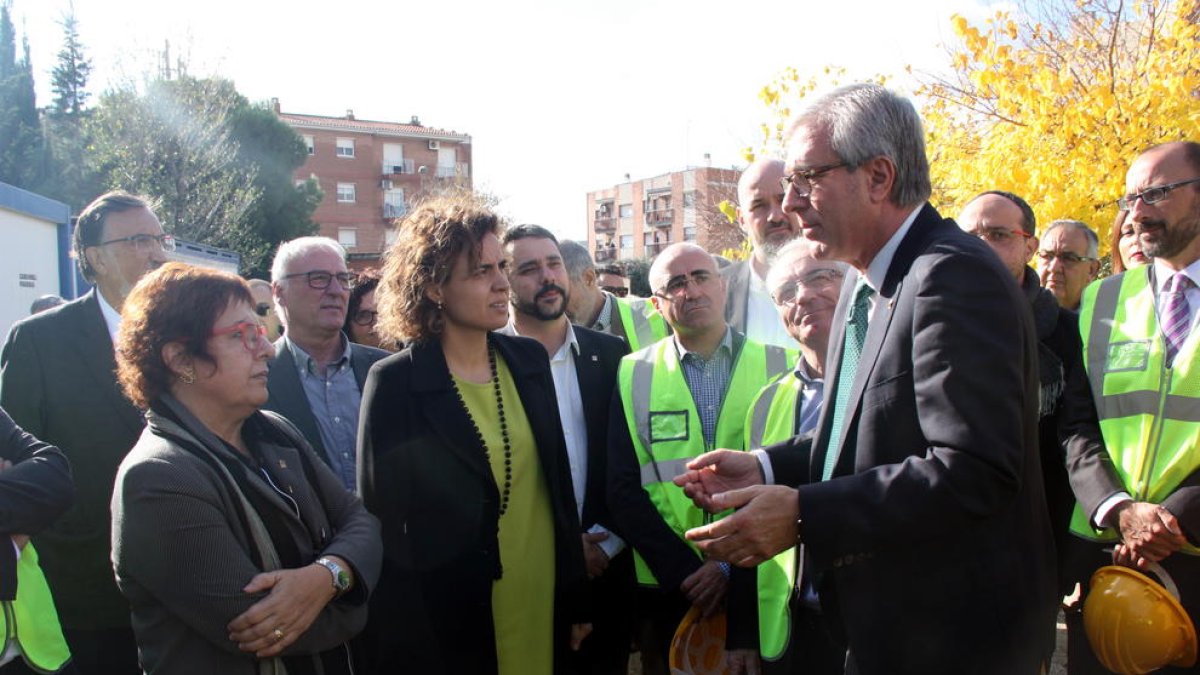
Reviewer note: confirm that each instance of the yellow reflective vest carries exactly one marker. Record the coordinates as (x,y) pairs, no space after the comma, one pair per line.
(1149,413)
(771,419)
(641,321)
(31,620)
(665,427)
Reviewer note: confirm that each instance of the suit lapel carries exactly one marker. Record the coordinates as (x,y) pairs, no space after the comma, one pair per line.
(589,369)
(95,347)
(289,399)
(443,411)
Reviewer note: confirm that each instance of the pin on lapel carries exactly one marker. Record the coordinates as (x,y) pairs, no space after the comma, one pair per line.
(282,464)
(892,303)
(594,358)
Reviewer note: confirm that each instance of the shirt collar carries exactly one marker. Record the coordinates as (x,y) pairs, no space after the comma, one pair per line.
(510,328)
(604,318)
(112,318)
(1163,274)
(878,269)
(306,364)
(801,371)
(726,344)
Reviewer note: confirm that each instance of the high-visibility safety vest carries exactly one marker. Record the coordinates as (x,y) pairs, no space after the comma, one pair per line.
(1149,413)
(666,429)
(32,621)
(771,419)
(641,321)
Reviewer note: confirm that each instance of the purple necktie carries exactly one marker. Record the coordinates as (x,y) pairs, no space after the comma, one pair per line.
(1175,318)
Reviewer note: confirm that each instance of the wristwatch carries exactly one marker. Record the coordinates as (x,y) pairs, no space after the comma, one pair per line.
(341,576)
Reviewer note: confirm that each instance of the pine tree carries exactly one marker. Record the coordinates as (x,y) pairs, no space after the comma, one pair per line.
(22,156)
(70,76)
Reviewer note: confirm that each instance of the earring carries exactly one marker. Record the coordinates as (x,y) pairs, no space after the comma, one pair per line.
(188,376)
(439,306)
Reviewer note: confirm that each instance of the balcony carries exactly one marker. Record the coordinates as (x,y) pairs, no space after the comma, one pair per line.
(397,167)
(604,255)
(660,217)
(395,210)
(656,248)
(605,224)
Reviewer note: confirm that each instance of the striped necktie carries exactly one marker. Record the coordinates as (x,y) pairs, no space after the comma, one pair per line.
(1176,319)
(856,333)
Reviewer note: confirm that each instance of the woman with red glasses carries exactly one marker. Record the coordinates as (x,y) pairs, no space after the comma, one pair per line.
(238,549)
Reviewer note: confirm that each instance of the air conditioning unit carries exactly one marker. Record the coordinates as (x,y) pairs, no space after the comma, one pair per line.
(434,145)
(385,184)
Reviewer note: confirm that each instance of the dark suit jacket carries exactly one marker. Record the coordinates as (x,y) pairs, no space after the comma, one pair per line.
(933,535)
(737,294)
(286,393)
(596,367)
(33,493)
(58,382)
(424,473)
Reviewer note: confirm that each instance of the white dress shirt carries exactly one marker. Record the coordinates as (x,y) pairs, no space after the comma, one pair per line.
(112,318)
(763,323)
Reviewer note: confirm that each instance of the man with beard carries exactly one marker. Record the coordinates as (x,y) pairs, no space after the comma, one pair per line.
(58,382)
(748,307)
(675,399)
(317,375)
(1132,457)
(584,366)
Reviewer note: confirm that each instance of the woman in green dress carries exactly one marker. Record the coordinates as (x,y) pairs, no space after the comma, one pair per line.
(462,458)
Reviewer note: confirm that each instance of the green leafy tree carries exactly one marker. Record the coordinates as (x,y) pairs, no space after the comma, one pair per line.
(71,179)
(22,155)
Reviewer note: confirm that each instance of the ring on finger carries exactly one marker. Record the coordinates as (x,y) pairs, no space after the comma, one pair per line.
(277,634)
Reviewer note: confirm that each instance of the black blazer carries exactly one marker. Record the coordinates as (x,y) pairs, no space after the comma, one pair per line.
(286,394)
(596,367)
(422,471)
(33,493)
(933,536)
(58,382)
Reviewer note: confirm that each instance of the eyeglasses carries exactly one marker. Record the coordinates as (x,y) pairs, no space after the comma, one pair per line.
(262,308)
(801,181)
(145,243)
(1065,256)
(999,235)
(677,285)
(1151,195)
(619,291)
(321,279)
(816,280)
(252,334)
(365,317)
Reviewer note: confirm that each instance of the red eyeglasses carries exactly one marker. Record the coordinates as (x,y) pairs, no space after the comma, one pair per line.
(250,333)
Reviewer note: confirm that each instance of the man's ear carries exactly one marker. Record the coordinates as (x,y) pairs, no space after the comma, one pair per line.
(1031,247)
(1095,264)
(588,278)
(96,259)
(881,176)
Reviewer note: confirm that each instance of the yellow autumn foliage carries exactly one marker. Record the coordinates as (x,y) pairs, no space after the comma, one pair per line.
(1055,106)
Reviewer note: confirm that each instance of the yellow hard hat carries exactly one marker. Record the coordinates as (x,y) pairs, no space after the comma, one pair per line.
(1134,624)
(699,645)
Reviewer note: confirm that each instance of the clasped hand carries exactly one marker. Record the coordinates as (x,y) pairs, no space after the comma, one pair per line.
(295,597)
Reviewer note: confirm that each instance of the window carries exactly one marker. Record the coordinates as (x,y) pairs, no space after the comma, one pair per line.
(626,245)
(689,199)
(312,148)
(348,237)
(649,238)
(389,236)
(345,193)
(345,147)
(627,210)
(689,233)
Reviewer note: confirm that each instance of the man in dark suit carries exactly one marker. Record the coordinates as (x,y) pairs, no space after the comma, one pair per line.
(920,503)
(584,366)
(57,380)
(748,306)
(317,374)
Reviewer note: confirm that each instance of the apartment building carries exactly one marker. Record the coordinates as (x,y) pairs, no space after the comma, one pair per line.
(639,218)
(372,172)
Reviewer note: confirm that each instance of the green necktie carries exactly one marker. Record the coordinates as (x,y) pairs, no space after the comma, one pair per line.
(856,333)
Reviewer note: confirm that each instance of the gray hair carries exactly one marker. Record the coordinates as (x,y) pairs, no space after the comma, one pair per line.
(298,248)
(1093,242)
(576,258)
(797,247)
(867,120)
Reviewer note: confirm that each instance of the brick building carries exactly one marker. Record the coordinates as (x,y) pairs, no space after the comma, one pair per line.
(372,172)
(638,219)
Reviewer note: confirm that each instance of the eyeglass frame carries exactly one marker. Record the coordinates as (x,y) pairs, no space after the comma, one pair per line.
(251,331)
(347,280)
(981,233)
(807,281)
(1065,256)
(681,283)
(358,322)
(789,179)
(141,242)
(619,291)
(1127,202)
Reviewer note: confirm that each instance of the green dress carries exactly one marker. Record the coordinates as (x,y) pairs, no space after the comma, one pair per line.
(523,598)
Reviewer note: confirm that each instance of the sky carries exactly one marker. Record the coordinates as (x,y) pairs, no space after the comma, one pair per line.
(560,97)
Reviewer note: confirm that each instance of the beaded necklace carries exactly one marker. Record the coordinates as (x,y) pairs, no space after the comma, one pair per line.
(504,494)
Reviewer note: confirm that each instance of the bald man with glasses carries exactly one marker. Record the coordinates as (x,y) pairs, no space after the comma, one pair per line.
(1069,258)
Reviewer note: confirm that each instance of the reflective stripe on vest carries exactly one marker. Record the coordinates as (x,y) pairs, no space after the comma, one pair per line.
(665,428)
(32,620)
(771,420)
(1149,414)
(641,321)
